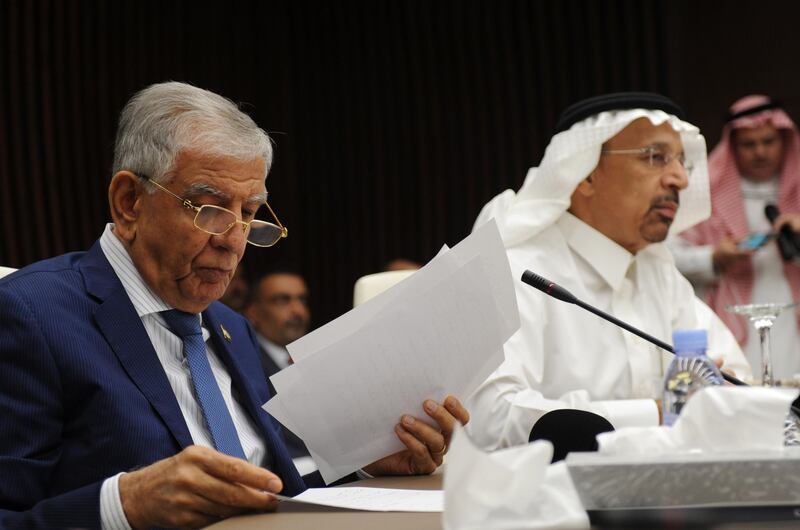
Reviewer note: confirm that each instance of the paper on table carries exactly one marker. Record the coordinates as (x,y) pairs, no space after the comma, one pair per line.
(442,334)
(372,499)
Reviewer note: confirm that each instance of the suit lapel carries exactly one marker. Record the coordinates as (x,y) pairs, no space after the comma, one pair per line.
(123,329)
(242,367)
(121,326)
(239,365)
(227,351)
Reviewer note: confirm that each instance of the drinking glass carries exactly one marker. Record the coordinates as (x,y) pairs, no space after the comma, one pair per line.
(763,316)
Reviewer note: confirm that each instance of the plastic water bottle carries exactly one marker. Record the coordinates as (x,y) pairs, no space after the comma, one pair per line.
(690,370)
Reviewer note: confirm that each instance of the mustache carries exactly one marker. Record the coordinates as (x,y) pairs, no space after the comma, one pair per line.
(671,197)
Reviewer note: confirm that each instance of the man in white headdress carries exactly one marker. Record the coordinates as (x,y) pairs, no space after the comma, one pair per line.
(592,218)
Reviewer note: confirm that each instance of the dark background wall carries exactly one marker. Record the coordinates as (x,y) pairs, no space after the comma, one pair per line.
(394,121)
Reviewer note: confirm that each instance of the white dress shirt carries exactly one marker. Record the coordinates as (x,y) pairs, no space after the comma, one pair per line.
(566,357)
(169,348)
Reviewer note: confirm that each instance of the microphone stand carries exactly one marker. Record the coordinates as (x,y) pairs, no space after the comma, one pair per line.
(556,291)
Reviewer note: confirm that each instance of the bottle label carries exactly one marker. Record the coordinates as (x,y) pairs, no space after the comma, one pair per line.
(680,381)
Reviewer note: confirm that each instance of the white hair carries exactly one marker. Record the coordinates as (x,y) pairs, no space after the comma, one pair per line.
(162,120)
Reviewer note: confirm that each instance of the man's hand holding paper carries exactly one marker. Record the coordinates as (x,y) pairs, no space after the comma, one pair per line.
(425,446)
(438,333)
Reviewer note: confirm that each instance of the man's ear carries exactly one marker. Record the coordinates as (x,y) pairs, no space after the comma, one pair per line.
(124,200)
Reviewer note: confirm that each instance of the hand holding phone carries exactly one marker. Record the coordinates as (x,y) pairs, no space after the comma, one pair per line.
(754,241)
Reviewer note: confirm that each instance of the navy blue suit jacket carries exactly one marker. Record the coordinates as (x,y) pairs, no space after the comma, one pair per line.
(83,395)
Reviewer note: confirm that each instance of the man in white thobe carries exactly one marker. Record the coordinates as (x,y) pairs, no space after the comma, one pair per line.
(755,164)
(591,218)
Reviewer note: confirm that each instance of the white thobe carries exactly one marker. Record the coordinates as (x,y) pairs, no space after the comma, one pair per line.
(565,357)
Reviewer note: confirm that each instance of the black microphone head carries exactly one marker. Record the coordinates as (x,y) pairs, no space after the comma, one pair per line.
(548,287)
(772,212)
(570,430)
(534,280)
(788,240)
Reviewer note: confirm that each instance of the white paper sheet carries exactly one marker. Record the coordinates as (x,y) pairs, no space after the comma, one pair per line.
(373,499)
(439,332)
(484,242)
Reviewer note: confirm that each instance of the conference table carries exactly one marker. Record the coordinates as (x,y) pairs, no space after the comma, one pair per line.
(300,516)
(296,515)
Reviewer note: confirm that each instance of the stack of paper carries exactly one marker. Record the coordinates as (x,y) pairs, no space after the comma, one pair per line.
(438,332)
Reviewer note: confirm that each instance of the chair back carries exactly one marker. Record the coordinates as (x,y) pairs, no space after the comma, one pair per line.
(374,284)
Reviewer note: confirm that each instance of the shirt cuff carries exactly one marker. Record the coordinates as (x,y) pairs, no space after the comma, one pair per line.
(697,264)
(112,515)
(630,412)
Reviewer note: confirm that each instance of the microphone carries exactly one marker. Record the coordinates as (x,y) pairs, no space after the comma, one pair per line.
(569,430)
(786,237)
(556,291)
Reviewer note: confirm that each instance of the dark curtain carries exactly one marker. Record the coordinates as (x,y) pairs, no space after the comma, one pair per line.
(394,121)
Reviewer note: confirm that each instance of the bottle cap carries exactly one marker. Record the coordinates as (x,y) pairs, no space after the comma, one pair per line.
(690,340)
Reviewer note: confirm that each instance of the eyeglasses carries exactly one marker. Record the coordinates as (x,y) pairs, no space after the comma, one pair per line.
(216,220)
(655,156)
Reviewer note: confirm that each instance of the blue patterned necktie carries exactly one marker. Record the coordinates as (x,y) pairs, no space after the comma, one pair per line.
(218,418)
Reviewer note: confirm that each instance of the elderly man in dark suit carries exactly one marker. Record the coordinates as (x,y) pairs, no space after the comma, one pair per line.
(129,397)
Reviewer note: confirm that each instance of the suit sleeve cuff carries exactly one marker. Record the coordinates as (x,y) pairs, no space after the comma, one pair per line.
(629,412)
(112,515)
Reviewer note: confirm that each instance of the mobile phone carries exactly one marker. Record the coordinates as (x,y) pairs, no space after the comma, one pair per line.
(754,241)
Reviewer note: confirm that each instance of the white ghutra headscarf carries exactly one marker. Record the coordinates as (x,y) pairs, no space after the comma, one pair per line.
(571,156)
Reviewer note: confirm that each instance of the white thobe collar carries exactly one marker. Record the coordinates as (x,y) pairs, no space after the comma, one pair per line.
(607,258)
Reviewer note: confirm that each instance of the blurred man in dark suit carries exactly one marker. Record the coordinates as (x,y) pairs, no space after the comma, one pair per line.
(278,309)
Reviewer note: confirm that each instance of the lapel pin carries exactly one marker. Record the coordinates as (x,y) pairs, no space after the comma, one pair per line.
(225,334)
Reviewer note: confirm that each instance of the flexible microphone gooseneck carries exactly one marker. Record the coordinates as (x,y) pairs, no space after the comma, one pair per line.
(556,291)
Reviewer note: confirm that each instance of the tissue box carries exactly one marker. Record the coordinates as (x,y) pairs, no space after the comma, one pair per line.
(686,480)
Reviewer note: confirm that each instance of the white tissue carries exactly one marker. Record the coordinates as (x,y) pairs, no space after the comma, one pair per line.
(716,420)
(513,488)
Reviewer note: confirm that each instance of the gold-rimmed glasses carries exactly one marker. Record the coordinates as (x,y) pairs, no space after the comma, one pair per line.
(655,156)
(216,220)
